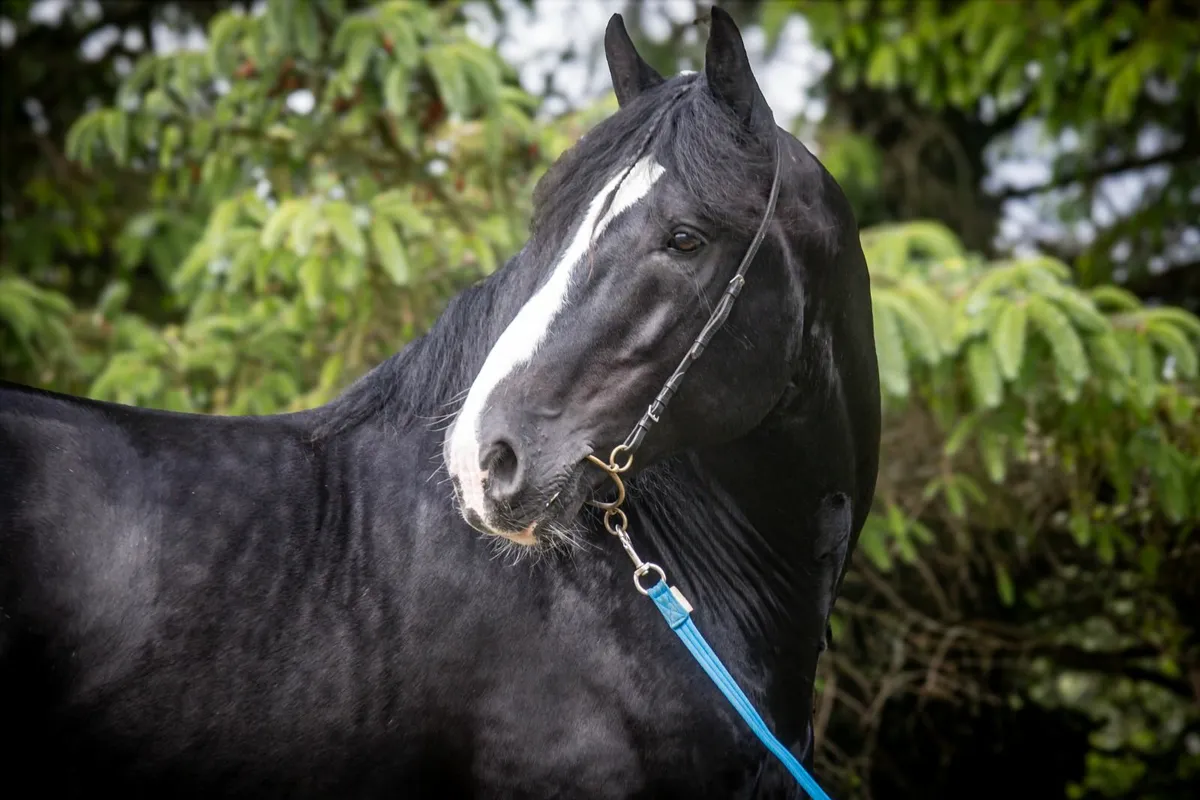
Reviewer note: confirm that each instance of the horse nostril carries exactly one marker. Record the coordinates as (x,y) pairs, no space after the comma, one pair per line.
(502,466)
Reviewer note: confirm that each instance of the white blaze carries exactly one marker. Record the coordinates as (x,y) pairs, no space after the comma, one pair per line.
(525,334)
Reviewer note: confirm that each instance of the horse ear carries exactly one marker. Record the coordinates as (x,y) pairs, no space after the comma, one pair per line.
(730,79)
(630,74)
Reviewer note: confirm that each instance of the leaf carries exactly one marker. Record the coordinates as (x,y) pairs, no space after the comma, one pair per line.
(893,365)
(1177,316)
(1145,372)
(116,134)
(986,382)
(916,330)
(304,227)
(358,55)
(1081,310)
(1174,342)
(278,19)
(1115,297)
(884,68)
(221,31)
(1107,351)
(1008,339)
(279,224)
(312,282)
(395,90)
(307,31)
(390,251)
(82,136)
(331,370)
(874,543)
(340,216)
(1004,585)
(1123,90)
(991,450)
(962,431)
(448,74)
(954,499)
(1063,340)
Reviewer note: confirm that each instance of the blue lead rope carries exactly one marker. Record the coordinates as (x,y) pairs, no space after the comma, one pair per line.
(678,616)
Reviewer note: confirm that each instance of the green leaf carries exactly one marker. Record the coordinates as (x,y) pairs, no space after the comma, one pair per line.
(962,431)
(917,331)
(1081,310)
(893,364)
(986,383)
(1107,351)
(307,30)
(954,499)
(1123,90)
(358,55)
(341,219)
(884,67)
(447,69)
(221,32)
(280,223)
(991,450)
(1061,335)
(304,226)
(395,90)
(390,251)
(1115,297)
(1145,372)
(1177,316)
(1174,342)
(1004,585)
(278,19)
(1008,339)
(312,281)
(116,134)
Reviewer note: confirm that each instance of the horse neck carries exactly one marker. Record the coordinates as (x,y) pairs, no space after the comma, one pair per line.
(758,535)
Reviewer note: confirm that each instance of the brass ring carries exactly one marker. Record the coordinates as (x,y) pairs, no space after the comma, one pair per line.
(612,459)
(616,479)
(623,525)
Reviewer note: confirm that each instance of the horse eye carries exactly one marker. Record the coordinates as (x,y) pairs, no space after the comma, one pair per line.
(684,242)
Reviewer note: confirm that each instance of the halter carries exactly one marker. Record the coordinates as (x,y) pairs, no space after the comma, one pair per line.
(671,603)
(621,458)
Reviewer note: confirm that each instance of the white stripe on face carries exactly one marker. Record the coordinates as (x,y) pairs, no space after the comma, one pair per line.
(525,334)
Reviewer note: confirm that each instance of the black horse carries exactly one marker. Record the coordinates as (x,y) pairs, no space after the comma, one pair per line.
(303,605)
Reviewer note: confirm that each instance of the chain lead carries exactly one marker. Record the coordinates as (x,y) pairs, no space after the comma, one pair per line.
(615,521)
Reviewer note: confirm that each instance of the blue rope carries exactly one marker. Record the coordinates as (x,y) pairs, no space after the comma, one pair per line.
(678,616)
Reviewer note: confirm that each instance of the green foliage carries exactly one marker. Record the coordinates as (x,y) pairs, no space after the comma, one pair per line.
(984,48)
(321,239)
(993,348)
(1025,416)
(934,92)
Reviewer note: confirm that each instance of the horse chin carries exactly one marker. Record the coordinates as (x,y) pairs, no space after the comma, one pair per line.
(553,521)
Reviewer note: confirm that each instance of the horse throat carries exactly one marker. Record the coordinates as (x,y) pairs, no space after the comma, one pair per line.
(757,532)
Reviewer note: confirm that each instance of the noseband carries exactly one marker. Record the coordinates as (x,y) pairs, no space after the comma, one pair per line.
(670,602)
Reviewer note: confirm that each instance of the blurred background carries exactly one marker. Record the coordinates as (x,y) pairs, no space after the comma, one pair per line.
(238,208)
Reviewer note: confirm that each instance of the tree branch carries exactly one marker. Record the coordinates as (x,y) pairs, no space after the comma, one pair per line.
(1179,155)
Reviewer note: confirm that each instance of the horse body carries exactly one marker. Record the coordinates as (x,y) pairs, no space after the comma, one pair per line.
(221,606)
(311,604)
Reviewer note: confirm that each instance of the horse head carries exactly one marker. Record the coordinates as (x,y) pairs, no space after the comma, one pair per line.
(636,234)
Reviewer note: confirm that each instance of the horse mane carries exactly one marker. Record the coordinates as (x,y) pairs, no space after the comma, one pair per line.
(423,381)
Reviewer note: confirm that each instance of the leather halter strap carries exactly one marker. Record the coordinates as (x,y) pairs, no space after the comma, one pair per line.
(715,321)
